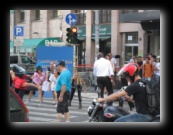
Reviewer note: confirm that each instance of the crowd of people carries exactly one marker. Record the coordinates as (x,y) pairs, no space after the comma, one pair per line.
(62,84)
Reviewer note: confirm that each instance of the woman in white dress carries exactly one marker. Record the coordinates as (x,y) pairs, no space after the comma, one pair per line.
(52,85)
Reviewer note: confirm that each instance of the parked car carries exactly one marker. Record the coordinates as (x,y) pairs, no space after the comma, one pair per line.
(18,110)
(21,73)
(24,61)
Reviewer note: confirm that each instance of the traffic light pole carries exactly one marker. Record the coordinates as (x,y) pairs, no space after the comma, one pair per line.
(96,39)
(96,33)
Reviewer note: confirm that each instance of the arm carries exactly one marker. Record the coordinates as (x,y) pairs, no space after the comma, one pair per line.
(63,89)
(114,96)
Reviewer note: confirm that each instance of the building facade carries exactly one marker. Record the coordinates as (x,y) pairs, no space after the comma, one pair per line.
(123,32)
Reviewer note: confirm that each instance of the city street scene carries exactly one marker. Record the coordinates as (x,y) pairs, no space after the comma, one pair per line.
(84,66)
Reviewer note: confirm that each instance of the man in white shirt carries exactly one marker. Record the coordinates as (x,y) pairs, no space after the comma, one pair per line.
(104,73)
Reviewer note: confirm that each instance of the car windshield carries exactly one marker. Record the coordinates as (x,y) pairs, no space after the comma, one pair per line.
(14,105)
(29,68)
(21,69)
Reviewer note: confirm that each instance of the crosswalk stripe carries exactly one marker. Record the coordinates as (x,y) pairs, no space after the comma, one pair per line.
(51,110)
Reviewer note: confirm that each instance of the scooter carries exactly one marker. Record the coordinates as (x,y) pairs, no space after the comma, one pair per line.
(102,112)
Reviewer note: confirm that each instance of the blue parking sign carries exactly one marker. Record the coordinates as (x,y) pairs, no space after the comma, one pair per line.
(18,31)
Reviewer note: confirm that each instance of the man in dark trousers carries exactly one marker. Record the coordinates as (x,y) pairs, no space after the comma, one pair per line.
(105,76)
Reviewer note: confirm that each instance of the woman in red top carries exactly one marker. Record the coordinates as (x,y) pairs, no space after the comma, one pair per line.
(21,83)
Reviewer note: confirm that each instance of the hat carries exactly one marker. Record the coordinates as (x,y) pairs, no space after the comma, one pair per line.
(158,57)
(62,63)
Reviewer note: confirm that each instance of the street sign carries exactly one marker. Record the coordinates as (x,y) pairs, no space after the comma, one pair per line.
(18,41)
(18,31)
(71,19)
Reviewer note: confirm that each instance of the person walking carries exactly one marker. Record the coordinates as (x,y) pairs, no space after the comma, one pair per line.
(38,78)
(104,73)
(53,78)
(63,86)
(77,83)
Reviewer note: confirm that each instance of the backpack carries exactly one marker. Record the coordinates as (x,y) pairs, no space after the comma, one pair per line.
(153,96)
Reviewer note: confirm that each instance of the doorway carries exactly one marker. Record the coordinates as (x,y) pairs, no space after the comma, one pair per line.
(130,51)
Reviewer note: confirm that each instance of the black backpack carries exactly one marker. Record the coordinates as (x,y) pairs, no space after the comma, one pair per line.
(153,96)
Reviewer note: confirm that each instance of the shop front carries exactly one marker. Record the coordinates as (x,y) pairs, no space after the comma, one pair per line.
(30,45)
(104,37)
(81,47)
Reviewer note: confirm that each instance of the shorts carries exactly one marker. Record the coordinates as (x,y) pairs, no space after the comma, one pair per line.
(18,82)
(62,107)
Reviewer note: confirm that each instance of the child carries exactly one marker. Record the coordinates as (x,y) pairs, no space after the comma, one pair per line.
(22,83)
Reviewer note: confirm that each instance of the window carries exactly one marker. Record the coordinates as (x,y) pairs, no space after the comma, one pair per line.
(22,15)
(13,59)
(131,37)
(104,16)
(128,11)
(37,14)
(26,60)
(57,13)
(81,15)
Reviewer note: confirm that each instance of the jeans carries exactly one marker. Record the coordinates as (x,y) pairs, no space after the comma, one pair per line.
(148,79)
(136,117)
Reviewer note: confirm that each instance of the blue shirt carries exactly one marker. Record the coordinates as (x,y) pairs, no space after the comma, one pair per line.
(64,79)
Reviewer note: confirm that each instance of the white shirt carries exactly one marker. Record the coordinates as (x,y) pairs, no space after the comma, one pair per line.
(53,80)
(102,67)
(114,61)
(158,67)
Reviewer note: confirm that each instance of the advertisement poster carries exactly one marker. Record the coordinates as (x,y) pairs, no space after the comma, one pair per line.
(47,54)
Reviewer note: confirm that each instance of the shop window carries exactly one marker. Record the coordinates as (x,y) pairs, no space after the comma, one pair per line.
(131,38)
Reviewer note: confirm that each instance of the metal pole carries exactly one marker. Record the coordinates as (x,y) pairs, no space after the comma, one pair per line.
(96,40)
(96,33)
(14,20)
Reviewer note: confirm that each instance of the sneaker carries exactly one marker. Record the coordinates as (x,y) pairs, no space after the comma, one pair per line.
(40,104)
(55,105)
(54,102)
(37,101)
(27,101)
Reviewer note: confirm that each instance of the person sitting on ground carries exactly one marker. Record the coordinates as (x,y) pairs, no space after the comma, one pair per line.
(22,83)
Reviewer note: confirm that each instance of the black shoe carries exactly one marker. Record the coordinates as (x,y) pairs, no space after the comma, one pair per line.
(80,105)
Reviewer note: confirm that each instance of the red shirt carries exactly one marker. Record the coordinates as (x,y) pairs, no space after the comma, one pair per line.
(18,82)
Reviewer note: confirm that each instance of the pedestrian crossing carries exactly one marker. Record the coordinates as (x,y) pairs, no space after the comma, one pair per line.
(47,111)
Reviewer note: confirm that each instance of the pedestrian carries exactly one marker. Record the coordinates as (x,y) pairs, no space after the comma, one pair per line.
(137,89)
(104,73)
(52,84)
(22,84)
(148,69)
(77,83)
(38,78)
(158,68)
(63,86)
(49,71)
(114,64)
(140,63)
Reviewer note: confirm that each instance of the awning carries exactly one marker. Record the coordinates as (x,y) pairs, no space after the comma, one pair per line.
(30,44)
(102,37)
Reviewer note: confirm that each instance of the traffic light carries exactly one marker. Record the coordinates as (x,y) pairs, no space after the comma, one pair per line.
(72,35)
(69,35)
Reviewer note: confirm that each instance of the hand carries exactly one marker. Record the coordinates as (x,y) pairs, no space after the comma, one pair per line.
(100,100)
(60,99)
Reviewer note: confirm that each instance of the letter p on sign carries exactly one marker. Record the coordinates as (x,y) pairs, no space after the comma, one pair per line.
(18,31)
